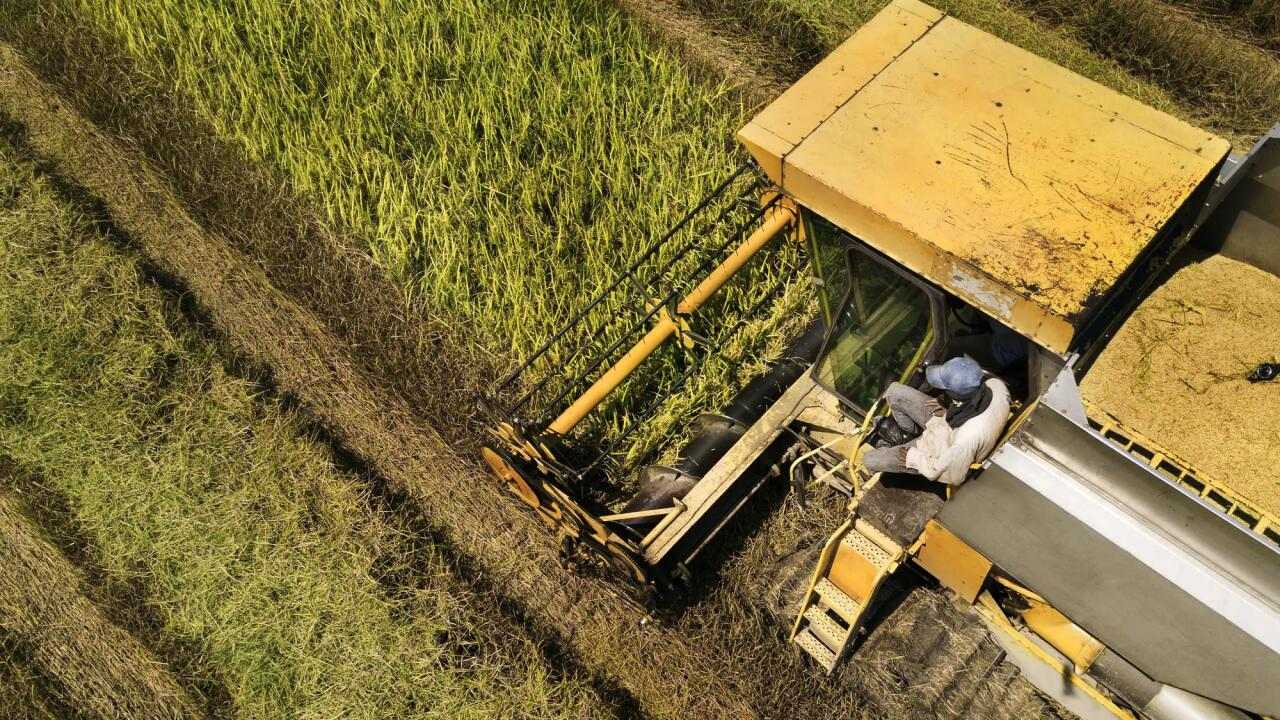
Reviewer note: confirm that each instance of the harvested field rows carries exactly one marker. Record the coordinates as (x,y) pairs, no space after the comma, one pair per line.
(1145,49)
(22,689)
(1256,20)
(1232,85)
(92,665)
(273,331)
(246,539)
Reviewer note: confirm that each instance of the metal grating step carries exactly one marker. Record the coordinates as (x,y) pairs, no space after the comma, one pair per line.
(832,633)
(864,546)
(816,649)
(835,598)
(857,557)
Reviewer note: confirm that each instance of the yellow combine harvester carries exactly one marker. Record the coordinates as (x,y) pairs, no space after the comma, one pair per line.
(950,187)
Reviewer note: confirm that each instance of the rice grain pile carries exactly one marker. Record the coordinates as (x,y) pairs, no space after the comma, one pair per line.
(1176,373)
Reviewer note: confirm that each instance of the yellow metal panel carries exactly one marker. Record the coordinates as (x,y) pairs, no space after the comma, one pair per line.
(955,564)
(767,148)
(1019,186)
(853,574)
(1065,636)
(822,90)
(989,610)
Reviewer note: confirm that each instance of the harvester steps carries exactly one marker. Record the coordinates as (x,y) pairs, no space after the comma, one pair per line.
(832,633)
(816,649)
(868,549)
(857,557)
(836,599)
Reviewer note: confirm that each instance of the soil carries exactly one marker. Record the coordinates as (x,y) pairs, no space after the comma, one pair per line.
(1176,373)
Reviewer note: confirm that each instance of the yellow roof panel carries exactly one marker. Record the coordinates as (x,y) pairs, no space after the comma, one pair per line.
(1016,184)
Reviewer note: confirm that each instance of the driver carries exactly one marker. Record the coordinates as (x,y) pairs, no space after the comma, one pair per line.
(948,439)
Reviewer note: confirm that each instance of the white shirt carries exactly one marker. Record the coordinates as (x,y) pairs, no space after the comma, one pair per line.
(945,454)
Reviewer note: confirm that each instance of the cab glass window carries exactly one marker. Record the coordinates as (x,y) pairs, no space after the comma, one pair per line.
(882,322)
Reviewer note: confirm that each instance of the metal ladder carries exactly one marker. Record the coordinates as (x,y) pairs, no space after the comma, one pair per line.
(853,566)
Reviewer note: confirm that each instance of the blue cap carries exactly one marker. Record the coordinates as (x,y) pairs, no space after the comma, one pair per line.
(960,376)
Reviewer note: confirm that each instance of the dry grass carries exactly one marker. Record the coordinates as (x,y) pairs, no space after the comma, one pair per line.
(1256,20)
(305,599)
(1231,81)
(23,690)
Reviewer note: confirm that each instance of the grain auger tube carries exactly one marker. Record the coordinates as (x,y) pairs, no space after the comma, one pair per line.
(541,450)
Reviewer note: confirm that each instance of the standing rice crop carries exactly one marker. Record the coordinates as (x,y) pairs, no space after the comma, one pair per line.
(501,158)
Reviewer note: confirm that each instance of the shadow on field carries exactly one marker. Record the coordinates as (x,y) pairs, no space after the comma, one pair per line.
(27,693)
(375,380)
(227,193)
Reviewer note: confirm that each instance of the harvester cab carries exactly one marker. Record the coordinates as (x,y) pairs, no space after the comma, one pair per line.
(948,189)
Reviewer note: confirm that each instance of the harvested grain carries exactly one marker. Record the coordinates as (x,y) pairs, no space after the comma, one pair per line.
(1176,373)
(22,692)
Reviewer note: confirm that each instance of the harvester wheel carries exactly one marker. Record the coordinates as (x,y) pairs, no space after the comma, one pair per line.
(583,519)
(503,470)
(622,562)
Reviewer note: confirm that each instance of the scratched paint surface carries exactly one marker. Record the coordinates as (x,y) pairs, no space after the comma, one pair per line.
(967,148)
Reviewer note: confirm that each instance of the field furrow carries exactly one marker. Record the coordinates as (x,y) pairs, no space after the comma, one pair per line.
(1222,77)
(94,666)
(24,693)
(305,597)
(374,209)
(272,330)
(1255,20)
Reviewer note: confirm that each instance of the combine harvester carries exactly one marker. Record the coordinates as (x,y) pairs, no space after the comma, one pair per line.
(947,185)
